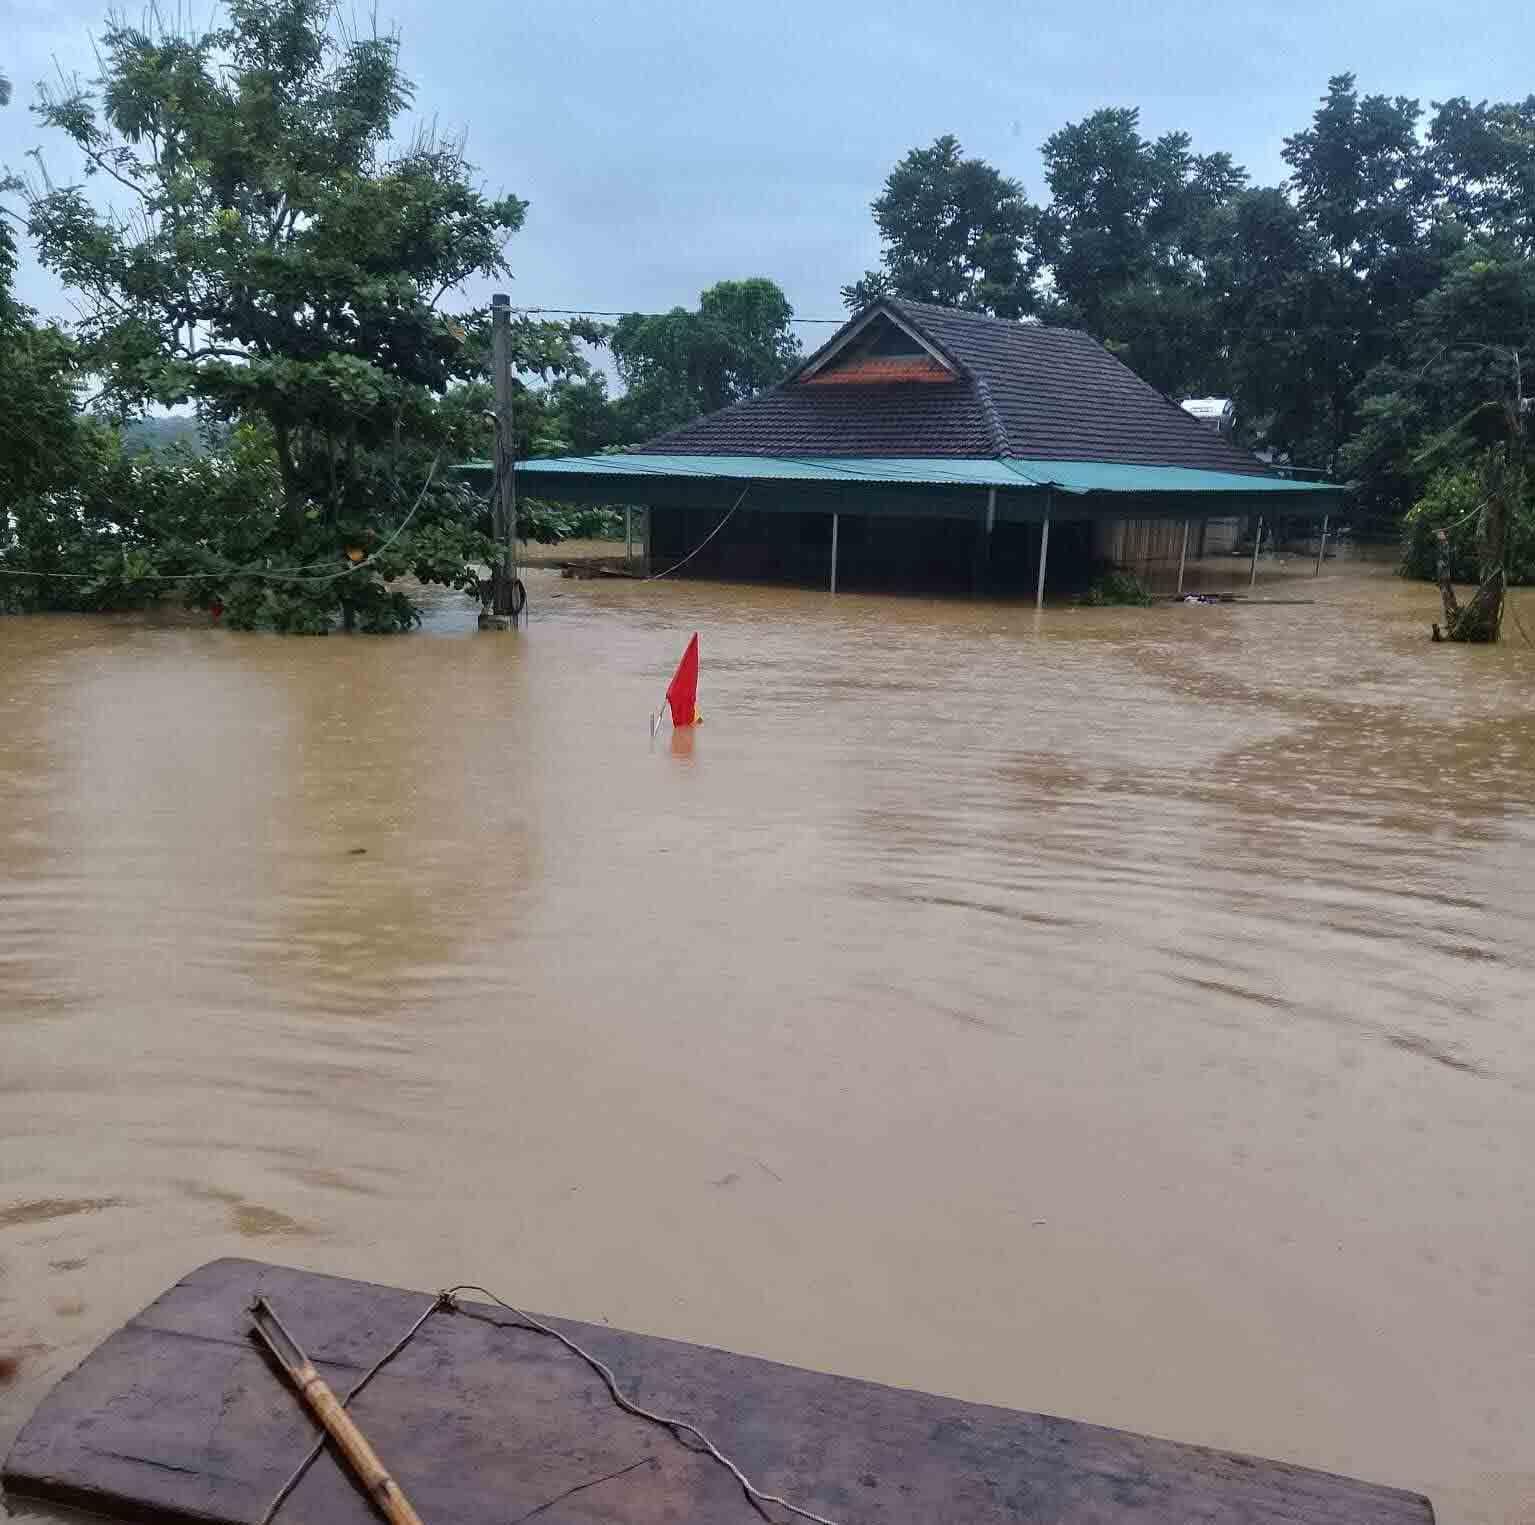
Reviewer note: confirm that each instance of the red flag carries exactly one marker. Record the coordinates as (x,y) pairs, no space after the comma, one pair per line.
(682,691)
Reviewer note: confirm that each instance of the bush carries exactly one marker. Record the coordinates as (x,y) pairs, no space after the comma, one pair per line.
(207,530)
(1452,498)
(549,524)
(1116,587)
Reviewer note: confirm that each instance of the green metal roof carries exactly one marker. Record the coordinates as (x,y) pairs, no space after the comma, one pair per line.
(1076,477)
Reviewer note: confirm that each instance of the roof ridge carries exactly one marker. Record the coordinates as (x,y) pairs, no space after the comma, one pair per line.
(972,315)
(994,424)
(993,417)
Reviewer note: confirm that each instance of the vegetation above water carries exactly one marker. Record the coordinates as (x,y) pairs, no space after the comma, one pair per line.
(1116,587)
(250,248)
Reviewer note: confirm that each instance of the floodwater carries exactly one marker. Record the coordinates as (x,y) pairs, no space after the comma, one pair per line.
(1125,1014)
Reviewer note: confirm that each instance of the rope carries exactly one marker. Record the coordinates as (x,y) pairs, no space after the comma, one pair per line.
(447,1300)
(1455,524)
(657,576)
(677,1426)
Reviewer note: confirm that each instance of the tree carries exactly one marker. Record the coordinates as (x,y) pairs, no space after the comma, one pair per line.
(1270,309)
(1126,211)
(1456,412)
(1482,159)
(1360,176)
(956,232)
(278,262)
(575,416)
(681,364)
(42,446)
(1127,239)
(1363,188)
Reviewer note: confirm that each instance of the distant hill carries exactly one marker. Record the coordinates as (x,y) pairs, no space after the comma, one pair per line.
(157,434)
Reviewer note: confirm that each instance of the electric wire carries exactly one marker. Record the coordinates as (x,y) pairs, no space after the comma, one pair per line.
(599,312)
(300,573)
(677,566)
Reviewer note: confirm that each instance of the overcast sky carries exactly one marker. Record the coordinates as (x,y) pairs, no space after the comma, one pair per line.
(665,146)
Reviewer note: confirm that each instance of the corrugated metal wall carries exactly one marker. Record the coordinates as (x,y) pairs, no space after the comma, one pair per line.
(1147,547)
(1150,547)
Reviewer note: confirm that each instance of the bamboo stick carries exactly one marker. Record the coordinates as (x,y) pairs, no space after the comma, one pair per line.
(338,1424)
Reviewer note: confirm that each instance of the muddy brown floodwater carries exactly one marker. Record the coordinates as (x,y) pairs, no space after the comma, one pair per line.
(1126,1016)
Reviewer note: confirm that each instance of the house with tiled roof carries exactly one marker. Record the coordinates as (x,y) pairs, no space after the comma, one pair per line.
(929,446)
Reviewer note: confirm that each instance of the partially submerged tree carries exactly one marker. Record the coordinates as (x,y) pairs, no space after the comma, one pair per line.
(1502,473)
(1464,412)
(273,257)
(956,232)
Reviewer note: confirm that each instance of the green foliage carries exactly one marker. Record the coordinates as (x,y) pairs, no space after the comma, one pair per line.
(123,529)
(1453,501)
(1438,404)
(280,268)
(278,262)
(575,416)
(165,433)
(1126,212)
(956,232)
(207,530)
(1117,587)
(1359,176)
(549,523)
(42,445)
(682,364)
(1483,161)
(1338,310)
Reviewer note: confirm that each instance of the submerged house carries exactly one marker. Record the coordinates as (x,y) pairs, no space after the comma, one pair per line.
(925,446)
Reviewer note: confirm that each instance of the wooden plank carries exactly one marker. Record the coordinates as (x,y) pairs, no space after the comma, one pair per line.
(178,1417)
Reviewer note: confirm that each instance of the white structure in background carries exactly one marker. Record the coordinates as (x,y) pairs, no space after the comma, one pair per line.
(1218,536)
(1219,412)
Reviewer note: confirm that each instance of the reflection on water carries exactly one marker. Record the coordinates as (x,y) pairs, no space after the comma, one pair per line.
(1121,1014)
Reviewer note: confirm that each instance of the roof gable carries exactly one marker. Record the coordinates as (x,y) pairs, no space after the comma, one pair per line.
(876,346)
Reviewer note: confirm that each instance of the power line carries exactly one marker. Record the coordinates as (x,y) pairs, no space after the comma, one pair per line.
(597,312)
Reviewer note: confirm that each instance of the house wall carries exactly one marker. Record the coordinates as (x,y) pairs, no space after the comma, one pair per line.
(874,551)
(1147,547)
(1150,548)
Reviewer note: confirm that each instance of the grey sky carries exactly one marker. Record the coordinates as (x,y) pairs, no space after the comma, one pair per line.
(667,146)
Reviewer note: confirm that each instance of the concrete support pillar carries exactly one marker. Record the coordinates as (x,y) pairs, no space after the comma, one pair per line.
(981,573)
(1183,555)
(1044,556)
(835,524)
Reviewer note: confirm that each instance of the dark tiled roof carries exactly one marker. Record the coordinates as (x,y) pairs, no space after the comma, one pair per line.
(1029,392)
(909,418)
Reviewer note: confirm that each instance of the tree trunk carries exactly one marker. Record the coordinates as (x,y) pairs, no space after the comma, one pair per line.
(292,497)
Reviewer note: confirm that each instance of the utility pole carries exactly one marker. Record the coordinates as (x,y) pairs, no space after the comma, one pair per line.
(505,605)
